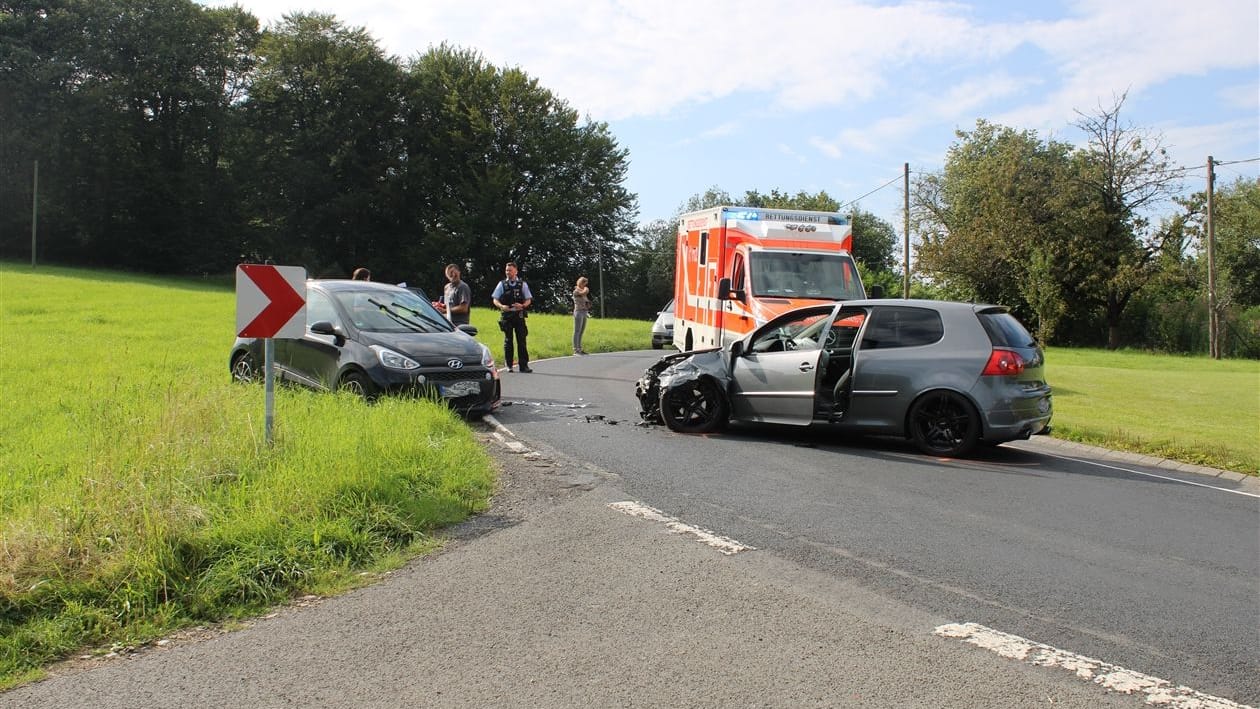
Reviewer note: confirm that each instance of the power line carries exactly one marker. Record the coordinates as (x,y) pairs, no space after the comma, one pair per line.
(1234,162)
(868,194)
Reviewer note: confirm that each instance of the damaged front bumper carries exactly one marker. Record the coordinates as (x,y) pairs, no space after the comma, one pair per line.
(674,370)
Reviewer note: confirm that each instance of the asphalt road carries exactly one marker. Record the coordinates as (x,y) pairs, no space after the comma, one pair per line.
(1140,571)
(868,563)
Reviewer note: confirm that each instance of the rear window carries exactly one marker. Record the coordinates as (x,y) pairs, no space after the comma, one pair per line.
(902,327)
(1004,330)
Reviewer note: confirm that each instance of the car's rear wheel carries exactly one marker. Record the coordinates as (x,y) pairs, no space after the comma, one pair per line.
(657,345)
(944,423)
(245,367)
(694,407)
(357,382)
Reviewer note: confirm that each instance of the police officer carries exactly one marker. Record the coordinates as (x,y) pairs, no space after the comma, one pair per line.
(512,298)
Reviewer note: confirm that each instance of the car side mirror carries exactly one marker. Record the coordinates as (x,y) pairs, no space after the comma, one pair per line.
(737,348)
(325,327)
(469,329)
(725,292)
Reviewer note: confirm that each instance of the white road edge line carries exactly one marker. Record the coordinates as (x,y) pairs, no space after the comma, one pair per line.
(726,545)
(494,422)
(1159,692)
(1149,475)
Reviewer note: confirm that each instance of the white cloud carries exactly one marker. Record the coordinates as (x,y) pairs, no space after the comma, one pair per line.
(651,57)
(1110,48)
(1243,97)
(829,148)
(721,131)
(787,150)
(616,59)
(1230,140)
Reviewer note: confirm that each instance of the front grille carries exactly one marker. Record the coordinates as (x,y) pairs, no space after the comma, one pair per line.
(462,375)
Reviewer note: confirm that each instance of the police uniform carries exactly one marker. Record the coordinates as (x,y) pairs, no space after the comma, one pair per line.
(512,322)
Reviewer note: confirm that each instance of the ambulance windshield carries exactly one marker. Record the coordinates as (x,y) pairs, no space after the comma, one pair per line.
(783,274)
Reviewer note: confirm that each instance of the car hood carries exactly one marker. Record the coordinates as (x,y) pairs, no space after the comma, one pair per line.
(715,363)
(427,347)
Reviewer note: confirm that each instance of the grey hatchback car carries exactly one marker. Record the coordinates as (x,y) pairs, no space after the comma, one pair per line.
(946,375)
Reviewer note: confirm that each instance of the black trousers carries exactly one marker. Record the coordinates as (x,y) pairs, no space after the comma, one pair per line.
(514,328)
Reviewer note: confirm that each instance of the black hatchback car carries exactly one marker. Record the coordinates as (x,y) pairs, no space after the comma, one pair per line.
(374,338)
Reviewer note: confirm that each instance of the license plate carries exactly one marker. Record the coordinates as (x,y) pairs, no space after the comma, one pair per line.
(458,389)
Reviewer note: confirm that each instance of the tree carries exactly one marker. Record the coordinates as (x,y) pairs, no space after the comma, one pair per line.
(874,241)
(319,149)
(123,103)
(1060,233)
(712,197)
(994,224)
(1125,173)
(498,168)
(1237,229)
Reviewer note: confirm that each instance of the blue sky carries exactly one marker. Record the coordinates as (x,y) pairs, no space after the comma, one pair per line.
(838,95)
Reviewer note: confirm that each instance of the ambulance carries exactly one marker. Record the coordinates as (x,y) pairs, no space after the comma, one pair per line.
(738,267)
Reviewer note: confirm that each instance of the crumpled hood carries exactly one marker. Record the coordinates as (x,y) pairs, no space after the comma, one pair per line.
(714,363)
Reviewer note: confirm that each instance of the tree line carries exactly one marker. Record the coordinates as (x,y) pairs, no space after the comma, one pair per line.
(1074,240)
(175,138)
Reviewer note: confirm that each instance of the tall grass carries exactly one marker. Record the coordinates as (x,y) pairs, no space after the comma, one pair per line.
(1192,409)
(139,495)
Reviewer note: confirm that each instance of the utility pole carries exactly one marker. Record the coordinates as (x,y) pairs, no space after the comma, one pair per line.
(1214,322)
(905,278)
(600,245)
(34,212)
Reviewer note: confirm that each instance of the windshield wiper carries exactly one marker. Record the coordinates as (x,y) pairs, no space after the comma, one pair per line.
(388,310)
(442,324)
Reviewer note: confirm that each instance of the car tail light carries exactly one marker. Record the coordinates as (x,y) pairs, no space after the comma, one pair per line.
(1003,363)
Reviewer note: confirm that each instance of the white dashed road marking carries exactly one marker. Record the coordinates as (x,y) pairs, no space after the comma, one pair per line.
(1159,692)
(725,545)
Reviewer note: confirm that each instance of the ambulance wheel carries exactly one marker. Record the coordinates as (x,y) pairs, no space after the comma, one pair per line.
(694,407)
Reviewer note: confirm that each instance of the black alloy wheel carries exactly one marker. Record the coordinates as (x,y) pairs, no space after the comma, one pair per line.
(357,382)
(944,423)
(695,407)
(245,368)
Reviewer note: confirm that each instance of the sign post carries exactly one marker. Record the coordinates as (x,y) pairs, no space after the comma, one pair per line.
(270,303)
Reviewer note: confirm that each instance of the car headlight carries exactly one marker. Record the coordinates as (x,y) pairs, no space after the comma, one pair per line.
(487,359)
(393,360)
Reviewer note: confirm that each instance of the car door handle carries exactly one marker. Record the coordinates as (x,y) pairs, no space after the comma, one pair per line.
(806,366)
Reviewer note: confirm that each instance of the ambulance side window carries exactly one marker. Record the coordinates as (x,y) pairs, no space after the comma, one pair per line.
(704,247)
(737,273)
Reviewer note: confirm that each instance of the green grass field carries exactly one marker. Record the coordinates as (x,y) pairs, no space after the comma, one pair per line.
(1193,409)
(140,497)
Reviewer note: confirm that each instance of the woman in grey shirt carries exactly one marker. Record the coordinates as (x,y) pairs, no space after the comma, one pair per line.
(581,311)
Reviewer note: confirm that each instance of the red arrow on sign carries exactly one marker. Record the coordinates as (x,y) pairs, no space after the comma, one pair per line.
(285,302)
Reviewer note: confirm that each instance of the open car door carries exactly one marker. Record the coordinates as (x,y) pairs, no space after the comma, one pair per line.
(774,377)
